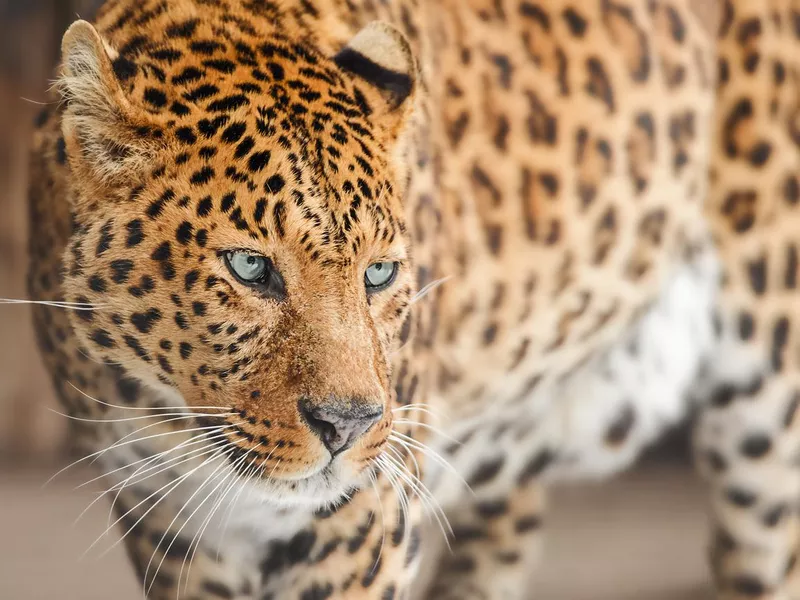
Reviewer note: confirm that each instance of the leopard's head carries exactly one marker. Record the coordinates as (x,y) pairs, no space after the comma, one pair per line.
(239,224)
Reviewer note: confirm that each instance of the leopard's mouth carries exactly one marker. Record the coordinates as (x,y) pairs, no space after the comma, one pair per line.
(328,484)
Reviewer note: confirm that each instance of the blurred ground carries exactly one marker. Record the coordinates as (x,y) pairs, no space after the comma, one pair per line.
(640,538)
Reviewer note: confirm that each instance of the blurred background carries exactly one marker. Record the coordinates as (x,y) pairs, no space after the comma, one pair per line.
(609,541)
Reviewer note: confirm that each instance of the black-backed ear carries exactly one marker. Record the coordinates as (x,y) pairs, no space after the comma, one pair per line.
(380,55)
(107,138)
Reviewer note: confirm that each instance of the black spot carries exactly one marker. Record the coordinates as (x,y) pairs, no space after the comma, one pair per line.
(155,97)
(576,23)
(621,427)
(740,497)
(227,202)
(760,154)
(791,410)
(204,206)
(135,234)
(61,151)
(162,252)
(124,68)
(185,350)
(274,184)
(757,272)
(97,284)
(106,237)
(389,593)
(186,135)
(775,515)
(257,161)
(184,233)
(791,190)
(528,523)
(183,30)
(746,326)
(536,466)
(202,176)
(487,471)
(716,461)
(145,321)
(233,132)
(492,509)
(780,335)
(102,338)
(790,274)
(723,396)
(748,585)
(128,390)
(755,445)
(228,103)
(120,270)
(190,279)
(165,364)
(279,214)
(156,207)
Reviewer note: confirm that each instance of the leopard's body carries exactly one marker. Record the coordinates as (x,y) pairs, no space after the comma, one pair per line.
(590,212)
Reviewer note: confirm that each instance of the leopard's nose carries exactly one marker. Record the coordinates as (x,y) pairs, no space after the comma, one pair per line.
(339,423)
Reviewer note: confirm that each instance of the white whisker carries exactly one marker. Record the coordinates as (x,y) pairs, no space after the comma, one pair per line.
(171,485)
(180,415)
(427,289)
(407,441)
(53,304)
(435,430)
(198,536)
(93,399)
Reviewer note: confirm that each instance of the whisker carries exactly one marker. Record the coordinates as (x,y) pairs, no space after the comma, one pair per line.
(53,304)
(190,442)
(198,536)
(423,493)
(419,407)
(119,486)
(180,415)
(171,485)
(374,482)
(432,428)
(406,441)
(118,444)
(427,289)
(93,399)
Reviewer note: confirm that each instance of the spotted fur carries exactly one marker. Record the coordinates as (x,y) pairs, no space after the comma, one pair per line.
(591,207)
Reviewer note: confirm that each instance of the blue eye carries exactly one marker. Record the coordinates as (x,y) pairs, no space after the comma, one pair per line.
(250,268)
(379,276)
(257,272)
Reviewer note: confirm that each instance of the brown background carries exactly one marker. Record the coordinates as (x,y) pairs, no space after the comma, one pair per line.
(638,539)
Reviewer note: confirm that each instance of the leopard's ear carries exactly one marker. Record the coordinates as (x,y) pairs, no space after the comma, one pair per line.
(381,57)
(107,138)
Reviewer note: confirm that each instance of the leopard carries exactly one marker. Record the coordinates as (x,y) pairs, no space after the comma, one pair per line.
(335,291)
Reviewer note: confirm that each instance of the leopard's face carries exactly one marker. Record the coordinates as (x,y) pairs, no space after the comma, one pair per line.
(253,259)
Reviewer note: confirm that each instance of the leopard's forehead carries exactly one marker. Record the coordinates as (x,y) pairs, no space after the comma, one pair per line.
(256,130)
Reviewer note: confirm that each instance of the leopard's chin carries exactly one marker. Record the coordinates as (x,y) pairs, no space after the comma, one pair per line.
(328,487)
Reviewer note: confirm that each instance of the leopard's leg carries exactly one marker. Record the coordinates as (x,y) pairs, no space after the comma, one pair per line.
(748,436)
(493,549)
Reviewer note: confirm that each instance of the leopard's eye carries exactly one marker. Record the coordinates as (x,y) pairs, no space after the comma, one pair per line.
(257,272)
(250,268)
(379,276)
